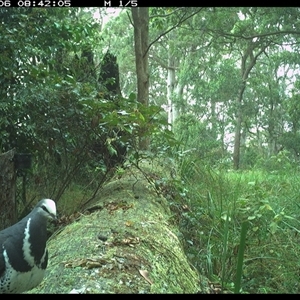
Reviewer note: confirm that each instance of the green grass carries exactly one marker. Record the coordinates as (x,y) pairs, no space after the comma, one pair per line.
(265,258)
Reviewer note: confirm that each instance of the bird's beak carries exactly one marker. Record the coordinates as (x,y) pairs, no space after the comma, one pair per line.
(53,219)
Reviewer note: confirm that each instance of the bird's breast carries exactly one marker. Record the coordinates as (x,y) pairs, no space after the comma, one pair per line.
(19,282)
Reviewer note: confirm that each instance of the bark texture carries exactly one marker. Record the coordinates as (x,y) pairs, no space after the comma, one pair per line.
(140,17)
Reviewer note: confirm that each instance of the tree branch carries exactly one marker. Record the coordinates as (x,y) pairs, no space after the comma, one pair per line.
(170,29)
(250,37)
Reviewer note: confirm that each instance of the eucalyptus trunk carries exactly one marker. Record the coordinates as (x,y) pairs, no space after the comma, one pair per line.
(172,111)
(140,16)
(248,62)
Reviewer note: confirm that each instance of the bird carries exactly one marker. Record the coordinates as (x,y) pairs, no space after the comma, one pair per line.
(23,252)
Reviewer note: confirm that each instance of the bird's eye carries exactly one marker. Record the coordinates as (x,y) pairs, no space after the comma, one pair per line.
(45,209)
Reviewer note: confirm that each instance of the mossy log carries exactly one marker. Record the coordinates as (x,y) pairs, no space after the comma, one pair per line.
(124,242)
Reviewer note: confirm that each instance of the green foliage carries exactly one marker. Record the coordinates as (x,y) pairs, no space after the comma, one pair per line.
(210,53)
(117,36)
(281,163)
(55,107)
(237,226)
(35,50)
(197,139)
(291,141)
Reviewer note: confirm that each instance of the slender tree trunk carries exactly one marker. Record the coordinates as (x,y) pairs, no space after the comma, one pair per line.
(140,16)
(174,89)
(214,119)
(171,90)
(273,125)
(238,128)
(248,62)
(181,109)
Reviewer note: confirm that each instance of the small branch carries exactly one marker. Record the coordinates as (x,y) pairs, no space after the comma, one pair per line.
(130,20)
(170,29)
(250,37)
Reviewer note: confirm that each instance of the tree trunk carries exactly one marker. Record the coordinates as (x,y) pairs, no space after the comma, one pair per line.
(171,90)
(182,105)
(238,127)
(140,16)
(8,190)
(248,62)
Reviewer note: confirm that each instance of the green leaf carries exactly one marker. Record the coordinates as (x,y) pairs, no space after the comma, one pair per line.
(132,97)
(273,227)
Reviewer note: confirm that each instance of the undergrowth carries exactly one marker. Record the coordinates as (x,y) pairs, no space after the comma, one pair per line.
(218,205)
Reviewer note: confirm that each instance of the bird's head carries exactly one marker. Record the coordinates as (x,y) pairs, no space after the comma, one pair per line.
(47,208)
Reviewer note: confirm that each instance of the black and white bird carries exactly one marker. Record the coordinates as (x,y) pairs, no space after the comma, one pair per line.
(23,252)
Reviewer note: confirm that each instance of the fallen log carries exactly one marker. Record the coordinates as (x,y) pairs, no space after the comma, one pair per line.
(123,242)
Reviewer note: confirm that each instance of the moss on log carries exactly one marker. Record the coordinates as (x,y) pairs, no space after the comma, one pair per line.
(123,243)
